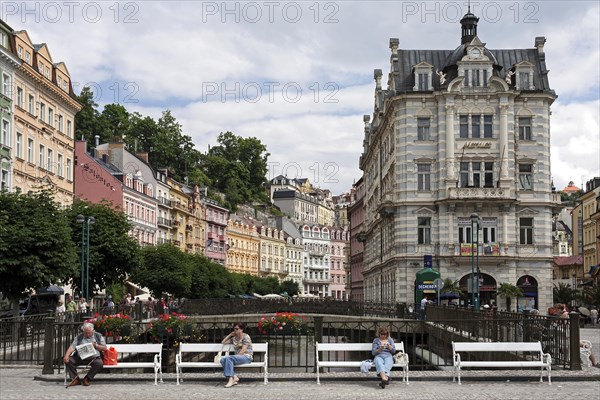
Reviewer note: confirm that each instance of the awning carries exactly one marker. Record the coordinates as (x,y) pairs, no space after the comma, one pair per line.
(139,291)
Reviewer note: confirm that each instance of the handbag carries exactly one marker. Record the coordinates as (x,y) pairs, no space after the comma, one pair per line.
(220,354)
(110,356)
(401,359)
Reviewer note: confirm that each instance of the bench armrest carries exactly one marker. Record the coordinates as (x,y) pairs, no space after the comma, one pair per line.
(456,358)
(547,358)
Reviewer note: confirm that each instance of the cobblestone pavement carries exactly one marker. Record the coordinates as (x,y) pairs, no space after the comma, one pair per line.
(28,383)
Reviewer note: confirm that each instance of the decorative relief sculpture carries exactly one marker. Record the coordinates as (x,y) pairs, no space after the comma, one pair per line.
(441,75)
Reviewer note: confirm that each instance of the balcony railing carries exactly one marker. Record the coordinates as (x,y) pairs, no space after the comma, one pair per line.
(479,193)
(177,243)
(189,228)
(316,280)
(163,241)
(164,221)
(166,202)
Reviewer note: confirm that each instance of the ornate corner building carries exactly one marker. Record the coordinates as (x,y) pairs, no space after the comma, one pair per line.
(456,162)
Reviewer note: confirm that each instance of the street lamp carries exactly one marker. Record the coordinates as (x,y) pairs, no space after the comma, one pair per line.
(85,252)
(475,221)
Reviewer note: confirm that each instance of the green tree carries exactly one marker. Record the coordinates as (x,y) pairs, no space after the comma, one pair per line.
(591,295)
(142,130)
(171,149)
(290,287)
(237,167)
(451,286)
(164,268)
(86,120)
(36,249)
(267,285)
(113,253)
(508,291)
(562,293)
(113,122)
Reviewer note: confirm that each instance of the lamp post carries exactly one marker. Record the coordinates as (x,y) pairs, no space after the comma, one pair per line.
(85,252)
(474,247)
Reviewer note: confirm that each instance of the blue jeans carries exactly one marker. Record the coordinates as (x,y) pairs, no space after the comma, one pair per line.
(384,364)
(229,361)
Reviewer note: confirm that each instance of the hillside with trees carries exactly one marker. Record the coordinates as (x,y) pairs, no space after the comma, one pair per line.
(236,166)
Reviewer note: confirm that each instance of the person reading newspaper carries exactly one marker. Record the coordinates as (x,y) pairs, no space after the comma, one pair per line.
(85,349)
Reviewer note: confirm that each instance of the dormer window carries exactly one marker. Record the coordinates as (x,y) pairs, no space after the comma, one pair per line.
(422,73)
(524,76)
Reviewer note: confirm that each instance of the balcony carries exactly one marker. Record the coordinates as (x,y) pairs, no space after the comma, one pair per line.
(176,223)
(221,238)
(486,249)
(479,193)
(165,202)
(189,228)
(317,253)
(210,235)
(163,222)
(163,241)
(322,281)
(189,246)
(177,243)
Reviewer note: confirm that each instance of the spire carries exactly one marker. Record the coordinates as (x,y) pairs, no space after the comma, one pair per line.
(469,26)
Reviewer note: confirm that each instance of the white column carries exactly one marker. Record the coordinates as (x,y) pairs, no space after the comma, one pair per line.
(504,140)
(450,142)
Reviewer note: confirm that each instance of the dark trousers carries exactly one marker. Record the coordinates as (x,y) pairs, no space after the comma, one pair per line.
(95,366)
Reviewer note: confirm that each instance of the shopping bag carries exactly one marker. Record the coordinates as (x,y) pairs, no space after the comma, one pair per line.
(110,356)
(220,354)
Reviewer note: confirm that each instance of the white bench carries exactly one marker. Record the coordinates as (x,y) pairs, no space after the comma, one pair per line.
(130,349)
(186,349)
(537,358)
(355,347)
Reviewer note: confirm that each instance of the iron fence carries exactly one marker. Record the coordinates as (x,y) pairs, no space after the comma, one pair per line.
(428,342)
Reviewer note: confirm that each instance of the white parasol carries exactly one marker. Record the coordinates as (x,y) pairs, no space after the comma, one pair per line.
(584,311)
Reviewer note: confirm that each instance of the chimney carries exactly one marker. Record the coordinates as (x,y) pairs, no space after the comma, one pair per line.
(143,156)
(97,137)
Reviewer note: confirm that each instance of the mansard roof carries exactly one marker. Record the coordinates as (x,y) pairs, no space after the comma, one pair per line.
(445,60)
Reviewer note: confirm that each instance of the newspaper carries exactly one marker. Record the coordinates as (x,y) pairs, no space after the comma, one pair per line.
(85,350)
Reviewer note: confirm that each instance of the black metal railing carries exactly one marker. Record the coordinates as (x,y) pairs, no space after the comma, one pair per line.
(428,342)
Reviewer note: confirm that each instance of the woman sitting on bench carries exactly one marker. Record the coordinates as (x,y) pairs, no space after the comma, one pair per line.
(383,350)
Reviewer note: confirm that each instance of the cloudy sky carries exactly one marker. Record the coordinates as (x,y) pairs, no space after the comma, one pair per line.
(299,75)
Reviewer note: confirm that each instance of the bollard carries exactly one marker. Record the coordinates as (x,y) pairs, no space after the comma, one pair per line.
(48,346)
(574,356)
(318,321)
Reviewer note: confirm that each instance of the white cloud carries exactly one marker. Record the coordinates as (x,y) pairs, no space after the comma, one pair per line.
(175,52)
(575,130)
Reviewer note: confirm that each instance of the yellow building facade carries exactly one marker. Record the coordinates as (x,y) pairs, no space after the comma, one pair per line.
(243,247)
(272,253)
(45,109)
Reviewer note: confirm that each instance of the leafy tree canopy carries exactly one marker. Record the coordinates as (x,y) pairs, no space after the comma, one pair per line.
(36,249)
(113,253)
(164,268)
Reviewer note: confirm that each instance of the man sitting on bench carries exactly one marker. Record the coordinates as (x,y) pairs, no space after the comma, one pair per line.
(85,349)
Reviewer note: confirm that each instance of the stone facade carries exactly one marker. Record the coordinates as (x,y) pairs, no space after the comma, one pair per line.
(460,140)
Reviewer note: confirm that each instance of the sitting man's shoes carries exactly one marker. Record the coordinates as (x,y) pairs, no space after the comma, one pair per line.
(382,384)
(76,381)
(86,381)
(388,380)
